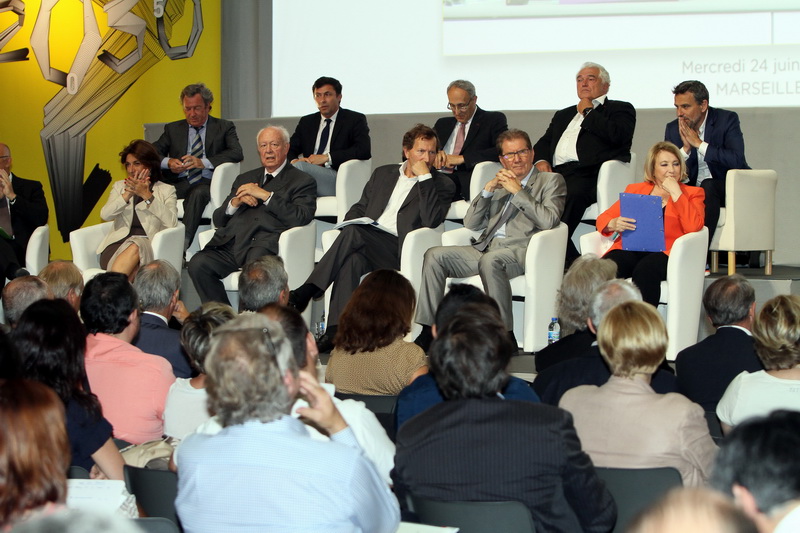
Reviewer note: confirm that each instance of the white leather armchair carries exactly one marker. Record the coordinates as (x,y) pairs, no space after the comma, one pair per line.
(747,222)
(221,183)
(544,270)
(682,292)
(167,245)
(295,247)
(38,252)
(481,175)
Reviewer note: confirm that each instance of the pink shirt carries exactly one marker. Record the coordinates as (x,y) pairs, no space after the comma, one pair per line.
(132,386)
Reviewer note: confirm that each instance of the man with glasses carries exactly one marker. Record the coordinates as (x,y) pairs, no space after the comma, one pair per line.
(518,202)
(469,136)
(580,138)
(262,203)
(323,141)
(396,201)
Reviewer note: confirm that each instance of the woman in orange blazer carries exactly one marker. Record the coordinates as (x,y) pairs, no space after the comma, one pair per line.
(683,208)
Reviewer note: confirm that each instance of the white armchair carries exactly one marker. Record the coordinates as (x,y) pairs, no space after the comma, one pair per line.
(682,292)
(481,175)
(167,245)
(747,223)
(38,252)
(544,270)
(295,247)
(221,183)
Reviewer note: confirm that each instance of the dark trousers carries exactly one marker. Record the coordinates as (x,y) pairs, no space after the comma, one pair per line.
(210,265)
(647,269)
(581,193)
(358,250)
(12,257)
(195,197)
(715,198)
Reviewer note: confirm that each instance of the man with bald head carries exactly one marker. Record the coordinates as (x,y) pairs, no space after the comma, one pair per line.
(23,208)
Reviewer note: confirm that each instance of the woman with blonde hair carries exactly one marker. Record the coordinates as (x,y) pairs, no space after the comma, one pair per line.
(625,423)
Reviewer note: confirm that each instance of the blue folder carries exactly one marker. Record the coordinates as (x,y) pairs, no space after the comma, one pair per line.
(646,211)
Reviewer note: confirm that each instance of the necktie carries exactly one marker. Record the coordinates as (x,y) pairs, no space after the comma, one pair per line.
(195,174)
(323,137)
(267,179)
(459,144)
(508,210)
(5,217)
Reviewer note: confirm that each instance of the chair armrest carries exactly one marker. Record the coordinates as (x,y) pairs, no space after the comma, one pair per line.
(38,252)
(594,243)
(168,245)
(612,179)
(415,245)
(327,239)
(296,247)
(84,243)
(459,237)
(482,174)
(222,181)
(204,236)
(351,178)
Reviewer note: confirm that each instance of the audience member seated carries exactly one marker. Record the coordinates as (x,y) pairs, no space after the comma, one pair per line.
(371,356)
(706,369)
(625,423)
(590,368)
(758,466)
(423,391)
(34,455)
(20,293)
(476,446)
(52,340)
(692,510)
(574,298)
(323,141)
(140,206)
(262,204)
(263,281)
(281,479)
(777,338)
(682,205)
(65,281)
(186,406)
(468,137)
(158,285)
(130,384)
(397,200)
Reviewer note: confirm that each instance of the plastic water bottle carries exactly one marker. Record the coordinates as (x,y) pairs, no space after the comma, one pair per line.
(321,326)
(553,331)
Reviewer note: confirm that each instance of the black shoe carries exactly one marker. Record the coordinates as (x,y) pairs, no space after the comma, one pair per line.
(425,338)
(513,339)
(325,344)
(294,302)
(302,296)
(21,272)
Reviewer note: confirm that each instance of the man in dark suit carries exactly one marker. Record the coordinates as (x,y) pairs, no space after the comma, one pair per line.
(468,137)
(157,285)
(581,138)
(706,369)
(262,203)
(506,450)
(192,149)
(323,141)
(711,142)
(23,208)
(397,199)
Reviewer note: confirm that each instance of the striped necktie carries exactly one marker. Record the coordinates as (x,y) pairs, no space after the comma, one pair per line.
(195,174)
(323,137)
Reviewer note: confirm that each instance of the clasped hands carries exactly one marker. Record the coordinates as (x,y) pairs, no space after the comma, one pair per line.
(185,163)
(314,159)
(6,189)
(250,194)
(504,179)
(444,160)
(138,185)
(689,136)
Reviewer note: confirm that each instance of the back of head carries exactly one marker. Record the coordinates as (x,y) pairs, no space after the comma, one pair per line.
(379,312)
(197,328)
(692,510)
(155,285)
(20,293)
(293,326)
(777,332)
(246,364)
(728,300)
(470,354)
(261,282)
(632,339)
(581,280)
(107,302)
(62,277)
(610,294)
(34,450)
(457,297)
(760,454)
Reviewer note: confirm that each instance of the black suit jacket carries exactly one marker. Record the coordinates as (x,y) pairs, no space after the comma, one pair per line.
(425,206)
(293,204)
(725,144)
(495,450)
(480,143)
(606,133)
(570,346)
(157,338)
(221,146)
(350,137)
(28,212)
(706,369)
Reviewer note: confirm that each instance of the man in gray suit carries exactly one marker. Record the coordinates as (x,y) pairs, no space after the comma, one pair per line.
(517,203)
